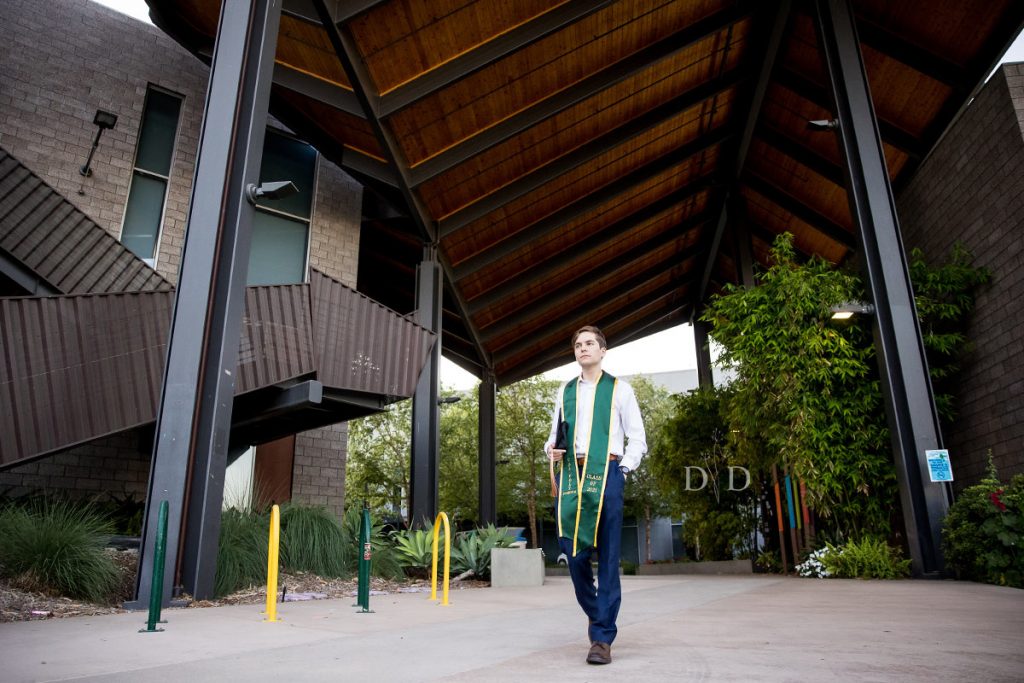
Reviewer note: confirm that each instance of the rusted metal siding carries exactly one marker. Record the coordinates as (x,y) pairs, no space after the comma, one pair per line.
(75,368)
(363,346)
(78,367)
(275,343)
(62,245)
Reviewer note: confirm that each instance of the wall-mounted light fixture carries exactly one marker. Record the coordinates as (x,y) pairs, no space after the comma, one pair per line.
(443,400)
(278,189)
(103,120)
(823,124)
(848,309)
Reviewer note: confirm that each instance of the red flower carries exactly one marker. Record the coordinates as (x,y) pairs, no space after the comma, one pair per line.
(995,500)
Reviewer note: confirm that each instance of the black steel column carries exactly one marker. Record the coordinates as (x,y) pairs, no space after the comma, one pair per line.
(744,253)
(426,414)
(194,418)
(705,380)
(488,470)
(906,386)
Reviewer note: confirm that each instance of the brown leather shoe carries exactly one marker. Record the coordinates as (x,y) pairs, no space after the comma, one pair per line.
(600,653)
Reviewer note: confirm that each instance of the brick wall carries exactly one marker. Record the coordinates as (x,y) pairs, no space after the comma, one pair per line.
(971,189)
(319,474)
(64,59)
(117,465)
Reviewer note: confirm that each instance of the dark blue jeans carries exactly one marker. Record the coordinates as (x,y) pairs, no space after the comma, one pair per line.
(601,604)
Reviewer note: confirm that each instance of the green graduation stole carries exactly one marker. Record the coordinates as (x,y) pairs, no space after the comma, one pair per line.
(579,512)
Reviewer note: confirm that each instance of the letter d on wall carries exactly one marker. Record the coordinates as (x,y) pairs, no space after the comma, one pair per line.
(746,473)
(703,477)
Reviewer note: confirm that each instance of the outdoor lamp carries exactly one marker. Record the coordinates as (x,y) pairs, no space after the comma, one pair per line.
(448,399)
(103,120)
(278,189)
(823,124)
(848,309)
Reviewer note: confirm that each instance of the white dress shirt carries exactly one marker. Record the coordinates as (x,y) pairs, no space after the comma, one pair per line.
(626,438)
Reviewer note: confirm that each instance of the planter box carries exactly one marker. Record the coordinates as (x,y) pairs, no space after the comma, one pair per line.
(516,567)
(717,567)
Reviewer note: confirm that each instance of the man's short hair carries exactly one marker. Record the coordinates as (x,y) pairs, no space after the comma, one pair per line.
(595,331)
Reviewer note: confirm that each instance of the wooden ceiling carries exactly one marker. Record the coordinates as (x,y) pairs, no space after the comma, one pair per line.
(572,161)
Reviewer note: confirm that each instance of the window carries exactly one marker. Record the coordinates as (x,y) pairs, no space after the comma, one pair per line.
(280,229)
(147,195)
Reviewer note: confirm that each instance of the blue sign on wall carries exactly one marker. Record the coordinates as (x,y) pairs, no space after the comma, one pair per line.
(939,468)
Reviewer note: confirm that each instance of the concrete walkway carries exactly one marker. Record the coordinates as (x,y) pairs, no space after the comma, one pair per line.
(671,628)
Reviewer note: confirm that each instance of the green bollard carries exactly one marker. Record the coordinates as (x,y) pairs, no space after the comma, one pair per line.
(156,592)
(364,562)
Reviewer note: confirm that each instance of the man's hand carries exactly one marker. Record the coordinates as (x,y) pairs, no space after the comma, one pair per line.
(555,454)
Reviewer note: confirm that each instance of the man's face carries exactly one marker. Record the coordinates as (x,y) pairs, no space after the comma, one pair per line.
(588,350)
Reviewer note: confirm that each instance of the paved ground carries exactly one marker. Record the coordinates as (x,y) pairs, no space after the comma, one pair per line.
(675,628)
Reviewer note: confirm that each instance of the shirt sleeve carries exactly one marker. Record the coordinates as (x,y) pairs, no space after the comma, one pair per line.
(632,430)
(554,424)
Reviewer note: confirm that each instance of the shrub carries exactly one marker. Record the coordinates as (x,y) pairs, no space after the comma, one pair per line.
(814,566)
(242,553)
(312,540)
(58,547)
(982,532)
(472,550)
(869,558)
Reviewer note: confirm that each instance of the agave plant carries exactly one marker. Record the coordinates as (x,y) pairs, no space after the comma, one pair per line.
(414,548)
(472,549)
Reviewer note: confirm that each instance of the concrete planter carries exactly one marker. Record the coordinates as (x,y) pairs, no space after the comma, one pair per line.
(716,567)
(516,567)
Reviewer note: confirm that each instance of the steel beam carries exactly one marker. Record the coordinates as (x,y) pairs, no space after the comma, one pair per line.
(906,385)
(705,378)
(322,91)
(774,40)
(744,253)
(589,151)
(482,56)
(426,416)
(488,470)
(575,93)
(194,418)
(606,237)
(348,53)
(806,156)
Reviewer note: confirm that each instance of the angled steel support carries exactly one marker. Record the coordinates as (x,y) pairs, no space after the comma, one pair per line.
(317,89)
(426,415)
(348,53)
(771,51)
(742,244)
(816,94)
(488,468)
(577,92)
(906,385)
(194,418)
(826,168)
(482,56)
(705,378)
(589,151)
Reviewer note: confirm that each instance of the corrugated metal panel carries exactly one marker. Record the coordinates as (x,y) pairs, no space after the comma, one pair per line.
(61,244)
(74,368)
(275,342)
(78,367)
(362,346)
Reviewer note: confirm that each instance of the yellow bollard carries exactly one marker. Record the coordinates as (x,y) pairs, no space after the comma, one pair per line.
(272,561)
(441,517)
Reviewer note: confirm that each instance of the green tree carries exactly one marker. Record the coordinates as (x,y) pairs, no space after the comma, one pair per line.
(458,466)
(523,424)
(643,499)
(377,468)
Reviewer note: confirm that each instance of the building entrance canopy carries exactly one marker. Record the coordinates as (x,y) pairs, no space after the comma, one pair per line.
(582,161)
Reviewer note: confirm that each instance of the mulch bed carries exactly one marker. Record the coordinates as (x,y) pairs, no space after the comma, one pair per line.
(19,602)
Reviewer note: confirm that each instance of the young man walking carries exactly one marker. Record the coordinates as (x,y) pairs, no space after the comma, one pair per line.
(604,441)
